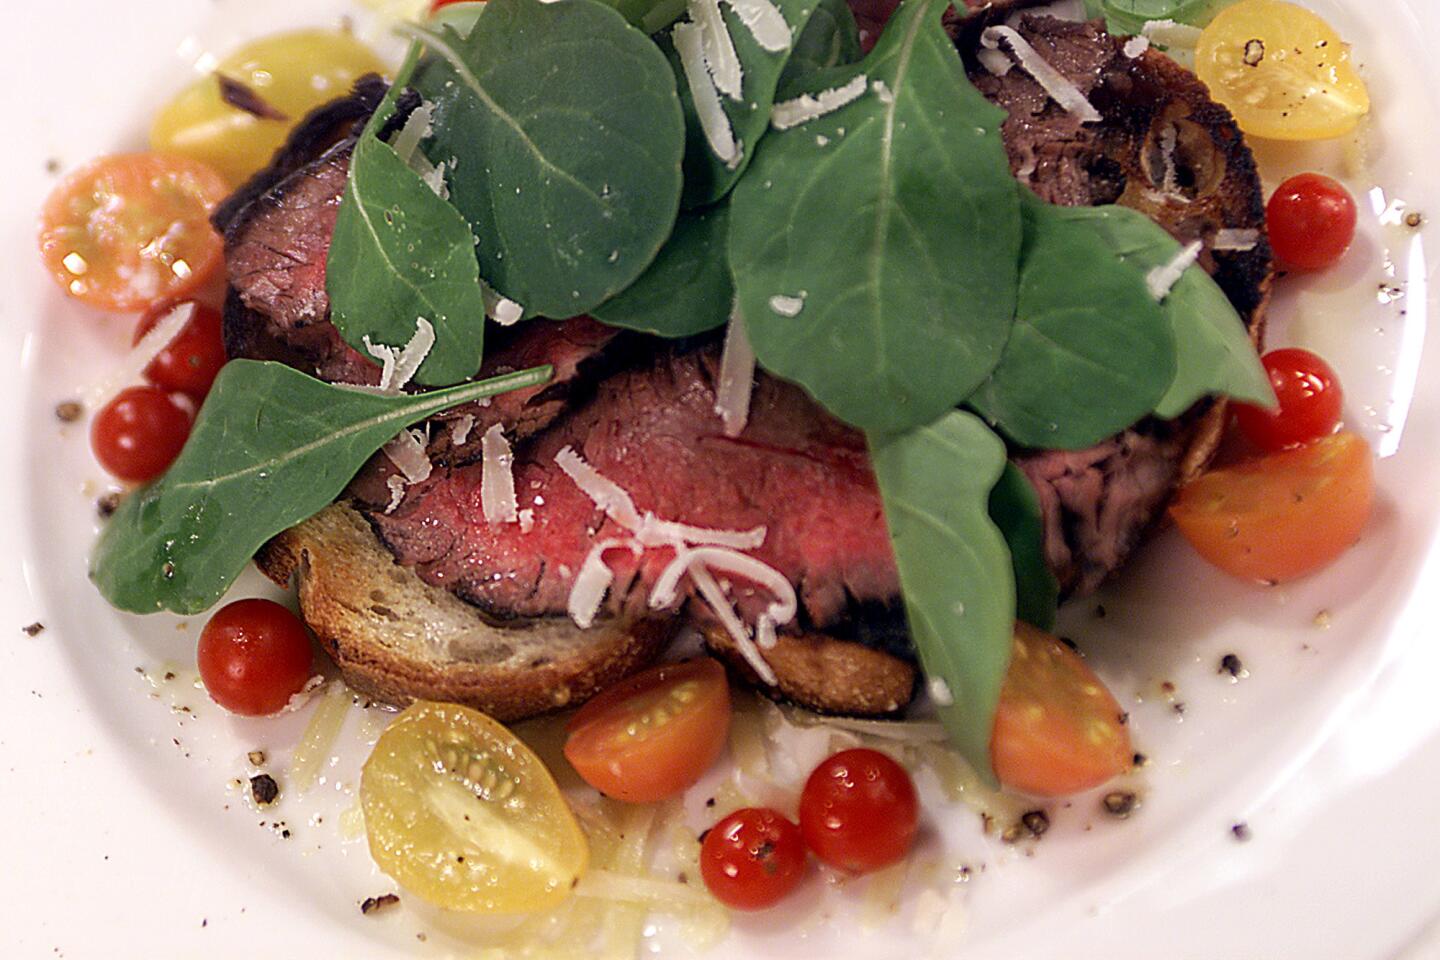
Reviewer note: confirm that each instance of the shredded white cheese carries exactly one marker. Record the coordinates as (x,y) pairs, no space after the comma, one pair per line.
(460,429)
(720,57)
(737,378)
(497,478)
(418,126)
(998,62)
(725,560)
(1168,33)
(725,611)
(132,368)
(787,306)
(1163,278)
(386,356)
(940,692)
(1236,240)
(1170,178)
(396,485)
(608,495)
(765,23)
(527,520)
(407,452)
(398,366)
(593,581)
(807,107)
(689,44)
(1060,89)
(882,92)
(1135,47)
(499,308)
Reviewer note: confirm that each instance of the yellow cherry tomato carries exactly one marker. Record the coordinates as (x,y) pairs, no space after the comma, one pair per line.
(1282,71)
(235,117)
(464,815)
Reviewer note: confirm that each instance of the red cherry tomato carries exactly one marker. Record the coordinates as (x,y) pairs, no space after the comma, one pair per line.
(254,655)
(1310,399)
(139,434)
(753,858)
(190,361)
(858,811)
(1311,221)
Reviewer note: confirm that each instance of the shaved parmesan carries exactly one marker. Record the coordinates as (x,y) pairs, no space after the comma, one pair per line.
(882,92)
(608,495)
(407,452)
(655,532)
(1168,33)
(667,586)
(689,44)
(720,57)
(408,360)
(502,310)
(1060,89)
(737,378)
(386,356)
(1237,241)
(1136,46)
(460,429)
(940,692)
(787,306)
(1170,179)
(765,637)
(807,107)
(396,485)
(497,478)
(132,368)
(527,520)
(715,598)
(593,580)
(1163,278)
(765,23)
(418,126)
(996,61)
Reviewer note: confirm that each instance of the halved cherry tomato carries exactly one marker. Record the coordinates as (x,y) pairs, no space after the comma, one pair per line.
(653,735)
(1310,400)
(1284,515)
(858,811)
(1311,221)
(254,655)
(190,362)
(129,231)
(753,858)
(1057,730)
(139,434)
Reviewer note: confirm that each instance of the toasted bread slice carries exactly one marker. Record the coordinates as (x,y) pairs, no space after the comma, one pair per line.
(397,639)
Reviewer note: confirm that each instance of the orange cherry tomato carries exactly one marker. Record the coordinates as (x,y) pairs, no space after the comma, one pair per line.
(129,231)
(190,362)
(1283,515)
(1057,730)
(653,735)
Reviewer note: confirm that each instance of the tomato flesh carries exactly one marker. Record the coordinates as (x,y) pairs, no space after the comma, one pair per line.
(139,434)
(1057,730)
(1284,515)
(254,655)
(1310,400)
(752,859)
(129,231)
(858,811)
(190,362)
(654,734)
(1311,221)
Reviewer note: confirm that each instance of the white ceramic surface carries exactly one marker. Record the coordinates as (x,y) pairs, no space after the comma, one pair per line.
(122,836)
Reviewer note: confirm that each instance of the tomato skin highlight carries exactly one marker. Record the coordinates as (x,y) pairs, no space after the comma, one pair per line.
(1283,515)
(137,435)
(1310,400)
(128,231)
(652,735)
(1057,729)
(254,655)
(191,361)
(859,811)
(752,859)
(1311,221)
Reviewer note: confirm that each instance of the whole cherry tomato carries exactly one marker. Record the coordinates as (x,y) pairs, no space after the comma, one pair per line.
(858,811)
(254,655)
(753,858)
(139,434)
(1310,399)
(1311,221)
(189,363)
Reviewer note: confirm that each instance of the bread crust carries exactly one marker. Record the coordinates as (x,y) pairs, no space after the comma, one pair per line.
(397,639)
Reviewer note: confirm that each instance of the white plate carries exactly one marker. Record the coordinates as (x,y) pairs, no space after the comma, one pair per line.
(125,839)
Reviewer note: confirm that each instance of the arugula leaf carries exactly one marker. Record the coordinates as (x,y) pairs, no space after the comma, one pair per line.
(1214,353)
(1091,352)
(1130,16)
(1015,509)
(650,16)
(270,447)
(830,39)
(875,248)
(687,289)
(955,569)
(564,131)
(707,177)
(400,252)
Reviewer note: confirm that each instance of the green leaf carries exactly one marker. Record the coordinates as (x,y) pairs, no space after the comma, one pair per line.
(1015,509)
(1091,352)
(875,248)
(955,569)
(1130,16)
(707,177)
(830,39)
(400,252)
(564,133)
(1214,353)
(270,448)
(650,16)
(687,289)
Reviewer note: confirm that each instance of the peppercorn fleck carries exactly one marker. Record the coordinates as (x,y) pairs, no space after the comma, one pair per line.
(370,904)
(1121,803)
(264,789)
(1036,821)
(1231,664)
(1241,831)
(256,758)
(68,411)
(34,629)
(108,504)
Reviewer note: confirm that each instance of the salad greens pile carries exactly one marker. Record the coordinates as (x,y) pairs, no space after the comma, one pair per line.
(1130,16)
(667,169)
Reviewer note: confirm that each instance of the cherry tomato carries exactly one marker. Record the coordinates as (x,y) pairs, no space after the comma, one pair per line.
(653,735)
(190,362)
(129,231)
(751,859)
(254,656)
(437,4)
(858,811)
(139,434)
(1283,515)
(1310,399)
(1057,730)
(1311,221)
